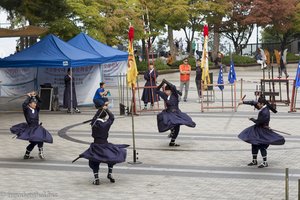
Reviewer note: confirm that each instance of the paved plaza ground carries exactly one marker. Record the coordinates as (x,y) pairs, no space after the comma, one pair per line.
(210,164)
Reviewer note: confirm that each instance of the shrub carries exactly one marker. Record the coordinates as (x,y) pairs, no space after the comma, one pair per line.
(191,61)
(239,60)
(159,64)
(290,57)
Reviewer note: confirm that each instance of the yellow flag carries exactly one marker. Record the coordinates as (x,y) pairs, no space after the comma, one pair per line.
(268,58)
(204,64)
(277,56)
(132,69)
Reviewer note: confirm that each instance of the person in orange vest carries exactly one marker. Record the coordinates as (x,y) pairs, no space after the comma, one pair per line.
(185,71)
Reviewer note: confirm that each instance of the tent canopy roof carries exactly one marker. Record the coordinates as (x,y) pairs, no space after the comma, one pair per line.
(91,45)
(51,52)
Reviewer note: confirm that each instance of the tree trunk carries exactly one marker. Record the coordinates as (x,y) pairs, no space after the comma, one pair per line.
(216,41)
(171,43)
(144,56)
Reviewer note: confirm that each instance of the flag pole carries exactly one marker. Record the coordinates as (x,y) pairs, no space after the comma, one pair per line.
(132,81)
(135,158)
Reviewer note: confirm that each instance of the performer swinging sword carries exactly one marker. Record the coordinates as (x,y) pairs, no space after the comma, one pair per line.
(32,131)
(101,150)
(171,118)
(260,136)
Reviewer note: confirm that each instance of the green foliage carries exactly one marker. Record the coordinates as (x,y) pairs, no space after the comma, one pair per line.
(158,63)
(191,62)
(107,21)
(239,60)
(36,12)
(290,57)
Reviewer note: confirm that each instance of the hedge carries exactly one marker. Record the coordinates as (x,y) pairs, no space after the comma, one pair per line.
(159,64)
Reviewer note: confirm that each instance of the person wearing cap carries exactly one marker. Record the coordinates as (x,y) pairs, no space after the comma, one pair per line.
(260,136)
(149,94)
(32,131)
(171,118)
(198,79)
(101,151)
(67,93)
(100,98)
(185,71)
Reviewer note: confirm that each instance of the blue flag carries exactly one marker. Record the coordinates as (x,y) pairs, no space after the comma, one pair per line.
(231,74)
(220,79)
(298,76)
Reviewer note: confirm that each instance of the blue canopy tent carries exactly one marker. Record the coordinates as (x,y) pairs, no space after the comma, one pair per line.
(51,52)
(89,44)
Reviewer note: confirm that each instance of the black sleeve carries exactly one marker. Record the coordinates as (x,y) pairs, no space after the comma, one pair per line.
(111,116)
(162,94)
(67,79)
(252,103)
(147,76)
(38,103)
(174,90)
(96,116)
(25,103)
(154,75)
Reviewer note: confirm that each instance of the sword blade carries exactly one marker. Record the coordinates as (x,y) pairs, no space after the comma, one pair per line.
(280,131)
(16,98)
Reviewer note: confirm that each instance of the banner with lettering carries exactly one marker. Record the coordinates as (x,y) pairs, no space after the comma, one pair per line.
(113,71)
(86,81)
(17,81)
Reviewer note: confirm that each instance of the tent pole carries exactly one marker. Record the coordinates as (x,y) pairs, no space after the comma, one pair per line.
(71,88)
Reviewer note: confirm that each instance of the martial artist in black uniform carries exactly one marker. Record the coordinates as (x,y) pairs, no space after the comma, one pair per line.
(101,150)
(171,118)
(67,93)
(32,131)
(260,136)
(149,94)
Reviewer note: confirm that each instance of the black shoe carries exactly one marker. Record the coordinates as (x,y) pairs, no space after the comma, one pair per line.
(173,144)
(254,162)
(77,110)
(184,100)
(27,156)
(263,164)
(68,111)
(111,179)
(96,181)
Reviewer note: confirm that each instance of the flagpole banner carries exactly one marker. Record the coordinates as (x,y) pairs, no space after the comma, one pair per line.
(132,72)
(220,79)
(297,79)
(204,61)
(17,81)
(231,74)
(112,71)
(86,81)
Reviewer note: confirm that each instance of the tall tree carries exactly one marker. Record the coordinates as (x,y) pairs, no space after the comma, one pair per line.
(278,17)
(172,13)
(107,21)
(236,27)
(215,19)
(41,13)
